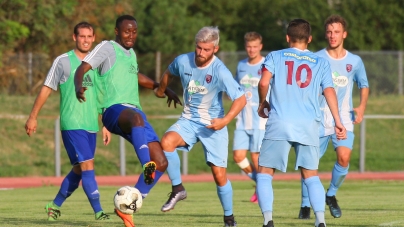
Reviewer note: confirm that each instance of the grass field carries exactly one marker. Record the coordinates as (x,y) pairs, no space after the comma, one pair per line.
(363,203)
(383,146)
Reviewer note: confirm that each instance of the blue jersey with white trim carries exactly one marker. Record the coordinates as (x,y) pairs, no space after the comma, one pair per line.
(203,87)
(248,76)
(299,76)
(345,72)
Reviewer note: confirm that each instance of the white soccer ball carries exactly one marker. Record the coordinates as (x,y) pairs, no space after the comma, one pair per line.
(128,200)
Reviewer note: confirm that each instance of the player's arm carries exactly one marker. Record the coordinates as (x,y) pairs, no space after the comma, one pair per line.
(263,87)
(331,98)
(165,80)
(31,124)
(78,80)
(360,110)
(237,105)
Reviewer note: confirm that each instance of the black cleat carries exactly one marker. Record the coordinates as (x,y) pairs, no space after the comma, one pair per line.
(321,225)
(229,221)
(269,224)
(331,201)
(304,213)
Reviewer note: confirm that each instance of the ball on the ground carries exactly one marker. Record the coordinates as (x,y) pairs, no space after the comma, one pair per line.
(128,200)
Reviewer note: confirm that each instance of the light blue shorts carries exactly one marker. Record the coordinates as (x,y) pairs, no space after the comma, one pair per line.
(248,140)
(79,144)
(274,154)
(348,142)
(214,143)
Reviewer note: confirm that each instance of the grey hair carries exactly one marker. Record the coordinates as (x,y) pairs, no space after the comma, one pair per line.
(208,35)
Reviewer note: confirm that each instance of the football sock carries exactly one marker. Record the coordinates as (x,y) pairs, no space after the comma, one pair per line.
(338,176)
(267,217)
(69,184)
(305,195)
(174,167)
(177,188)
(265,192)
(253,176)
(319,217)
(145,188)
(90,187)
(316,193)
(139,142)
(225,194)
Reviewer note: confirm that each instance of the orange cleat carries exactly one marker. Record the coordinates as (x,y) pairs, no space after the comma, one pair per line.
(126,218)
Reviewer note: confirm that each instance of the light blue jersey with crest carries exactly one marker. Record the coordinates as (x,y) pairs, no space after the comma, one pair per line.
(298,78)
(248,76)
(345,72)
(203,87)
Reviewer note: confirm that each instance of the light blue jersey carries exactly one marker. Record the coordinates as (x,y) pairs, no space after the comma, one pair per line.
(298,78)
(248,76)
(203,87)
(345,72)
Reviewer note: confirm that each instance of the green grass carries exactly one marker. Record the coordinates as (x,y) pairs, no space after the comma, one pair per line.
(363,203)
(25,156)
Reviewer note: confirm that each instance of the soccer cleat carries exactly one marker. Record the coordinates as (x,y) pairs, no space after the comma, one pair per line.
(148,172)
(304,213)
(321,225)
(173,198)
(52,211)
(269,224)
(229,221)
(101,216)
(331,201)
(254,198)
(126,218)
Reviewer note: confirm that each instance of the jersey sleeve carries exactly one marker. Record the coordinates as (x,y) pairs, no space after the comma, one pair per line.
(174,67)
(269,63)
(101,52)
(326,75)
(360,75)
(229,84)
(60,69)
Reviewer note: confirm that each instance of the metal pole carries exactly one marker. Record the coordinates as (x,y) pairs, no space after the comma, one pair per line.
(30,72)
(400,72)
(184,163)
(57,147)
(122,156)
(362,148)
(158,66)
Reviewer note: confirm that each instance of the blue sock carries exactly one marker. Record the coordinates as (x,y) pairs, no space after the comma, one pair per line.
(265,192)
(316,193)
(145,188)
(225,194)
(91,189)
(174,167)
(338,176)
(305,195)
(69,185)
(139,142)
(253,175)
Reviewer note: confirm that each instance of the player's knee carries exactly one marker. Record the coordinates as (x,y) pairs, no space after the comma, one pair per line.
(237,157)
(161,163)
(137,120)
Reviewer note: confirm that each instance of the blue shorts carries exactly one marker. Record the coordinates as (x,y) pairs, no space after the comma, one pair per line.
(110,121)
(214,142)
(248,140)
(79,144)
(348,142)
(274,154)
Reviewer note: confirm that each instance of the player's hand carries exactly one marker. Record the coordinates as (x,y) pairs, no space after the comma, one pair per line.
(80,94)
(359,115)
(158,93)
(217,124)
(263,109)
(30,126)
(172,97)
(340,132)
(106,136)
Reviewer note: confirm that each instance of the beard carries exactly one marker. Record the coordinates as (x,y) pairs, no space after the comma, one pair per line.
(202,61)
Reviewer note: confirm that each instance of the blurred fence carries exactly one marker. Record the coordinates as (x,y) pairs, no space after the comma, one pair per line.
(23,73)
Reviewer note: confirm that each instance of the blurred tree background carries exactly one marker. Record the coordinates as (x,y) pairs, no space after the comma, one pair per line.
(45,27)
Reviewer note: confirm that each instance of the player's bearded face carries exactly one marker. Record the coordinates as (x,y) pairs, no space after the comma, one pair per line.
(335,35)
(204,53)
(84,40)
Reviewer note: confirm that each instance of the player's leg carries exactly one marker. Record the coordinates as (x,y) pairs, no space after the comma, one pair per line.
(339,172)
(305,205)
(255,146)
(307,160)
(273,155)
(181,134)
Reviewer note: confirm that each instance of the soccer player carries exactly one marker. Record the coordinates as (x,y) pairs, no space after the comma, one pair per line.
(250,128)
(79,123)
(346,68)
(298,76)
(204,78)
(118,99)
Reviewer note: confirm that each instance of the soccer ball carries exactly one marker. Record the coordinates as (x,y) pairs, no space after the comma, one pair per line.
(128,200)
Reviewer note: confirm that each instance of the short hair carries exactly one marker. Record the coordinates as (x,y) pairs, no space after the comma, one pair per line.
(252,36)
(336,19)
(120,19)
(82,24)
(208,35)
(298,30)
